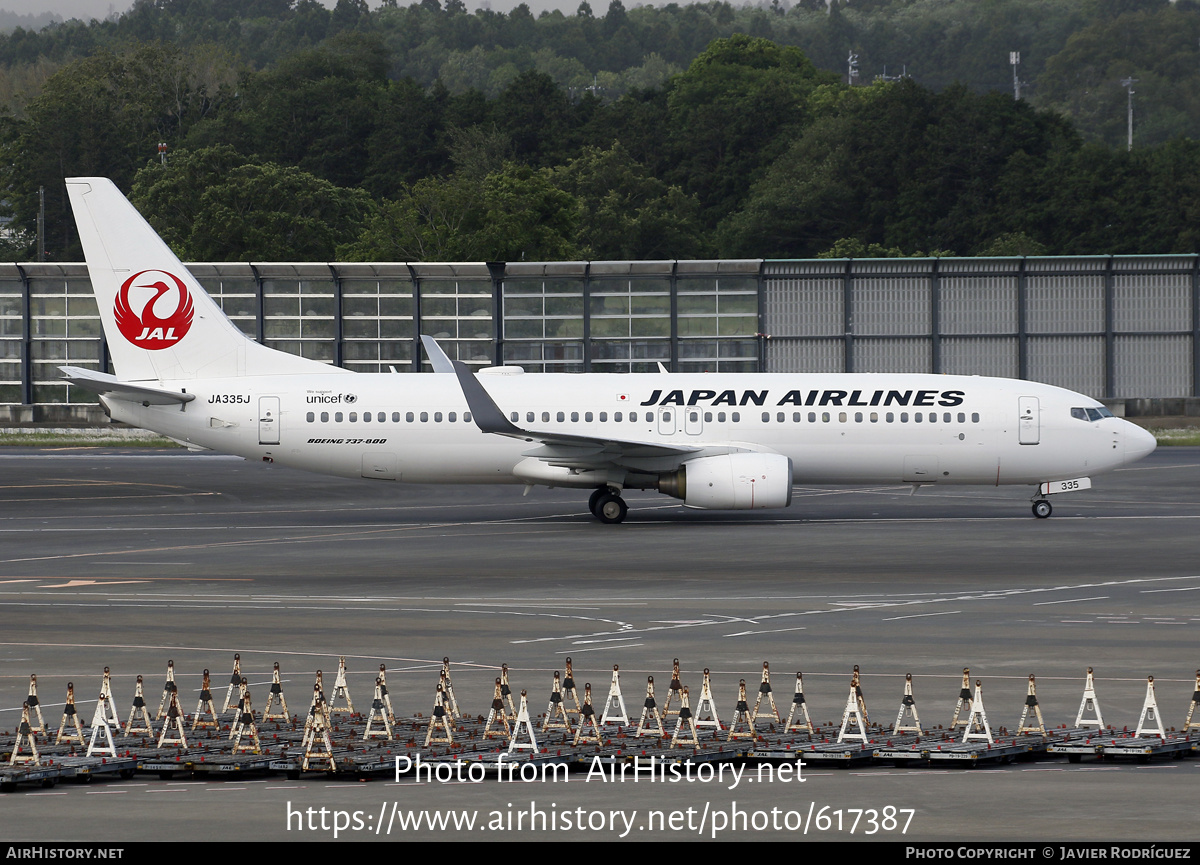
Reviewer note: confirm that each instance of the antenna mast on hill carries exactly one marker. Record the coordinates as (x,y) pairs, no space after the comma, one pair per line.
(852,69)
(1128,83)
(1014,60)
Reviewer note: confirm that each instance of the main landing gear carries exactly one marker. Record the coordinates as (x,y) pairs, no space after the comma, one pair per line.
(1042,509)
(607,505)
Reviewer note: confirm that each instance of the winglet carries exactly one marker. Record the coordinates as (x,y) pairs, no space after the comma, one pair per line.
(437,357)
(484,411)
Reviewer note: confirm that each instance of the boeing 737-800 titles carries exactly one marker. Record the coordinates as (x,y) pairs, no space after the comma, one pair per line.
(720,441)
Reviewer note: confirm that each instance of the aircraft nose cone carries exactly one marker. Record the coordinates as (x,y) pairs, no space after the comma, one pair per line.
(1138,443)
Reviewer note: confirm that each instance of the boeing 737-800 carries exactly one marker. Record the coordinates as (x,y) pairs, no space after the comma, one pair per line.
(720,441)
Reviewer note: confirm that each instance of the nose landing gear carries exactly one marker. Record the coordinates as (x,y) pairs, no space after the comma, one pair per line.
(1042,509)
(607,505)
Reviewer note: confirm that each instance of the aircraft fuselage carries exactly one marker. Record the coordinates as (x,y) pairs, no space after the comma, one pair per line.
(860,428)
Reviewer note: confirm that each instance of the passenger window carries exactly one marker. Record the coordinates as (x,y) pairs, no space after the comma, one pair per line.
(324,417)
(974,417)
(720,417)
(587,417)
(962,417)
(916,417)
(545,417)
(795,417)
(841,417)
(337,418)
(779,417)
(437,417)
(561,417)
(617,416)
(424,417)
(529,417)
(824,417)
(395,417)
(736,416)
(708,417)
(903,417)
(574,417)
(453,416)
(514,417)
(603,417)
(766,417)
(858,417)
(946,417)
(310,417)
(466,417)
(874,417)
(353,416)
(408,416)
(812,417)
(890,417)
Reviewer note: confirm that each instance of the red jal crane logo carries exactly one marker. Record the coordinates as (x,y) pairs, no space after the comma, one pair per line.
(148,329)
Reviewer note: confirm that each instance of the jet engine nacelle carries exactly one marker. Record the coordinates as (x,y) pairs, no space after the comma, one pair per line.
(732,482)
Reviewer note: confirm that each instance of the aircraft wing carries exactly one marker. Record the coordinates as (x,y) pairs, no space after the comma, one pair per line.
(566,449)
(109,385)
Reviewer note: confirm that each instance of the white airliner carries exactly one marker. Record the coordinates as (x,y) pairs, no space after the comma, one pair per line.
(720,441)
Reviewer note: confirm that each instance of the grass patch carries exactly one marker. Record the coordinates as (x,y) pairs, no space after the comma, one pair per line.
(66,437)
(1177,437)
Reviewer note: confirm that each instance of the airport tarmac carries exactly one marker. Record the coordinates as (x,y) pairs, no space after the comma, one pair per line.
(129,557)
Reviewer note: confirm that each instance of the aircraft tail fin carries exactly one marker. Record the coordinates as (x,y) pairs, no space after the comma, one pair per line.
(159,322)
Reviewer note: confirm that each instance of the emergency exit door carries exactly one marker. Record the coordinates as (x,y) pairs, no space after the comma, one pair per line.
(1029,420)
(268,420)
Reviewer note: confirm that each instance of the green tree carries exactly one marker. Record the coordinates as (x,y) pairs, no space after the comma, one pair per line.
(1012,243)
(105,115)
(526,217)
(211,208)
(732,113)
(900,166)
(514,213)
(627,213)
(852,247)
(316,110)
(1156,45)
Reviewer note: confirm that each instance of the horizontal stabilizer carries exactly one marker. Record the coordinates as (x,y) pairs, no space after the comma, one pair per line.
(109,385)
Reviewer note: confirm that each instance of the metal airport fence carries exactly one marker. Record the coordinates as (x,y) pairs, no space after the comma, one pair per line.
(1112,327)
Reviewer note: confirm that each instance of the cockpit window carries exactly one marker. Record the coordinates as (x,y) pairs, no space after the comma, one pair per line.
(1090,414)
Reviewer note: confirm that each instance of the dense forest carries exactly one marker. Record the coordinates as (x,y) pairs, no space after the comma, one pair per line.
(296,132)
